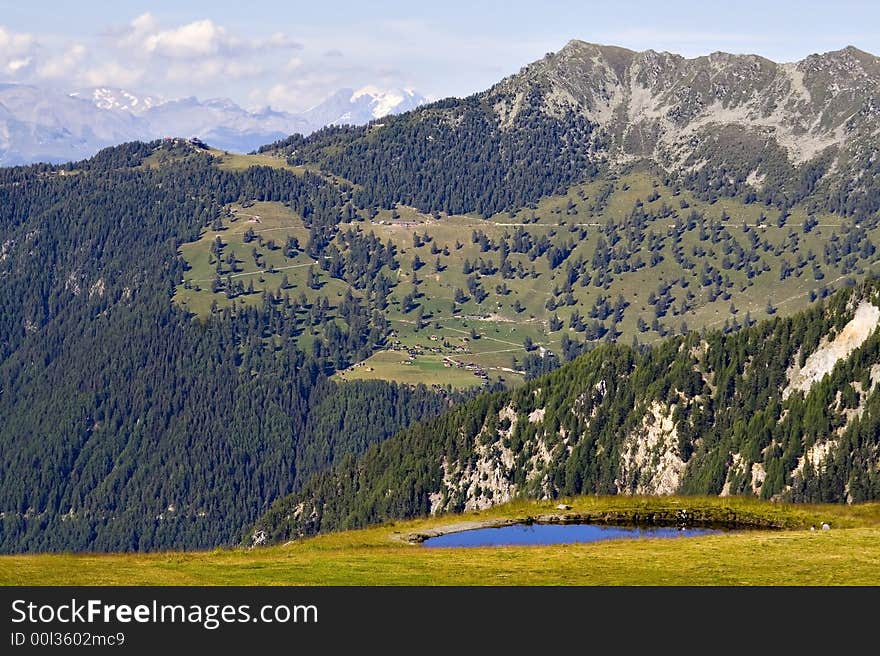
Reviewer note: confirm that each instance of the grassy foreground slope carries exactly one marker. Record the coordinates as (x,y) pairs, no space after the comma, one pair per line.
(848,554)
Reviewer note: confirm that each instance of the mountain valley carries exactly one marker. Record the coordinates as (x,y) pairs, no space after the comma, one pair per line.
(611,273)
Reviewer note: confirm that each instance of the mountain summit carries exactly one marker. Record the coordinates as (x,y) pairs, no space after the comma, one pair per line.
(738,115)
(355,107)
(654,103)
(720,124)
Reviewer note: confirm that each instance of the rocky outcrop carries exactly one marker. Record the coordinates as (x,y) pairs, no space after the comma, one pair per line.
(650,462)
(833,350)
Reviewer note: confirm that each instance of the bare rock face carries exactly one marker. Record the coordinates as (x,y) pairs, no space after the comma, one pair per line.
(831,351)
(650,462)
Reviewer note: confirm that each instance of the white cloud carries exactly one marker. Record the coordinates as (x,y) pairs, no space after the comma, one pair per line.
(111,74)
(203,72)
(280,95)
(133,35)
(186,58)
(196,39)
(14,43)
(144,23)
(304,91)
(240,69)
(197,54)
(16,51)
(291,97)
(281,41)
(63,65)
(16,65)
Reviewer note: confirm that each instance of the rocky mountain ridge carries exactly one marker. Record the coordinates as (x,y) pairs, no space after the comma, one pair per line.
(739,119)
(653,103)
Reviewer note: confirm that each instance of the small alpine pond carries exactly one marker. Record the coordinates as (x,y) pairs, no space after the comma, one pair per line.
(545,534)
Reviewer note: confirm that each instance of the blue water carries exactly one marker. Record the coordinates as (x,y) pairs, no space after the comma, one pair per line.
(522,534)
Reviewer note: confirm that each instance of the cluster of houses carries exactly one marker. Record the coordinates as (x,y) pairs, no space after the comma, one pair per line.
(412,352)
(475,369)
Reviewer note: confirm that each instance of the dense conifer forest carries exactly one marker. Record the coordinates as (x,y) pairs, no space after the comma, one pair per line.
(125,424)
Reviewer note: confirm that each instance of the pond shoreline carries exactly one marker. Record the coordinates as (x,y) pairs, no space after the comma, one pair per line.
(708,518)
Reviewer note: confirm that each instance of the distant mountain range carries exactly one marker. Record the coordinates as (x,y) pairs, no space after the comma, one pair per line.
(41,125)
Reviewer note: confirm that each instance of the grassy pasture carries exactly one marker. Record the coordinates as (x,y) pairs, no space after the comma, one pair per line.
(516,308)
(848,554)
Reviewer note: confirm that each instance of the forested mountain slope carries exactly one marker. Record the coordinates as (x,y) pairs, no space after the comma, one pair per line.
(623,195)
(789,408)
(125,424)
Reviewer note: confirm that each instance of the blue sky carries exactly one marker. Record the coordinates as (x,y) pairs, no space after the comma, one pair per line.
(293,54)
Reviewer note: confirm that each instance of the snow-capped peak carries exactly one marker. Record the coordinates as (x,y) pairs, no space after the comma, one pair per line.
(118,99)
(368,90)
(46,125)
(386,101)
